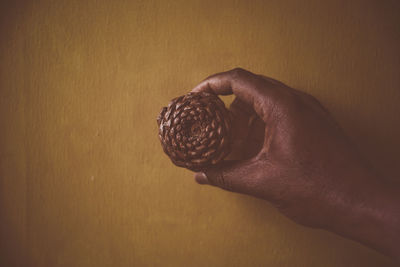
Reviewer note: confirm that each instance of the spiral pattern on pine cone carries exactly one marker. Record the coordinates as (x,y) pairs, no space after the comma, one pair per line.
(194,130)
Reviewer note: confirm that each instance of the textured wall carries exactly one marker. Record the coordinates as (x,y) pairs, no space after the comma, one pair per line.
(83,180)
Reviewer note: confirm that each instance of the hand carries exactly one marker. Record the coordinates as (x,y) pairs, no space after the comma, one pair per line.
(296,156)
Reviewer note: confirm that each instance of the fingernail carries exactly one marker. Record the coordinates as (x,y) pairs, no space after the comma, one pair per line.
(201,178)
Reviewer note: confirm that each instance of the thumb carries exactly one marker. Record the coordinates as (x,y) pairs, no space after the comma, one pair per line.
(238,176)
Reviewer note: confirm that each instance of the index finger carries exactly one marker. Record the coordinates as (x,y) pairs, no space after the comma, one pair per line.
(252,89)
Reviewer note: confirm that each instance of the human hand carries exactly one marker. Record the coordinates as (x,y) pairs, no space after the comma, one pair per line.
(297,157)
(295,154)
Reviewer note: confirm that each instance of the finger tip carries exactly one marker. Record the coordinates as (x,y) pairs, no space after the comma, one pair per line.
(201,178)
(201,88)
(195,90)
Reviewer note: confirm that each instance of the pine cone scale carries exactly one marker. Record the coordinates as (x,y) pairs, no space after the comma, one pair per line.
(194,130)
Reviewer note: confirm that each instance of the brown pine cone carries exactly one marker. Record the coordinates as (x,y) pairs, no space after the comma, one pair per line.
(195,130)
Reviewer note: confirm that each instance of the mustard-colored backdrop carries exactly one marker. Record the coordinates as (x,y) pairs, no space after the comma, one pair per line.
(83,179)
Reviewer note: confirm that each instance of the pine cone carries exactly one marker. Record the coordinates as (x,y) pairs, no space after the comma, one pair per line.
(195,130)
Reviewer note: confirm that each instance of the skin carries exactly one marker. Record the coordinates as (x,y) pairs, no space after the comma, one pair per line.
(290,151)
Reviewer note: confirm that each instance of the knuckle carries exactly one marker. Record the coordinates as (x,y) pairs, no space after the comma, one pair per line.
(238,72)
(219,178)
(225,183)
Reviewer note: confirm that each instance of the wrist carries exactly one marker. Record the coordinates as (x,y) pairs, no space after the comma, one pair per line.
(367,210)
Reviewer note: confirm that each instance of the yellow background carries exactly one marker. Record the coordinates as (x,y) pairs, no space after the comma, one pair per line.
(83,179)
